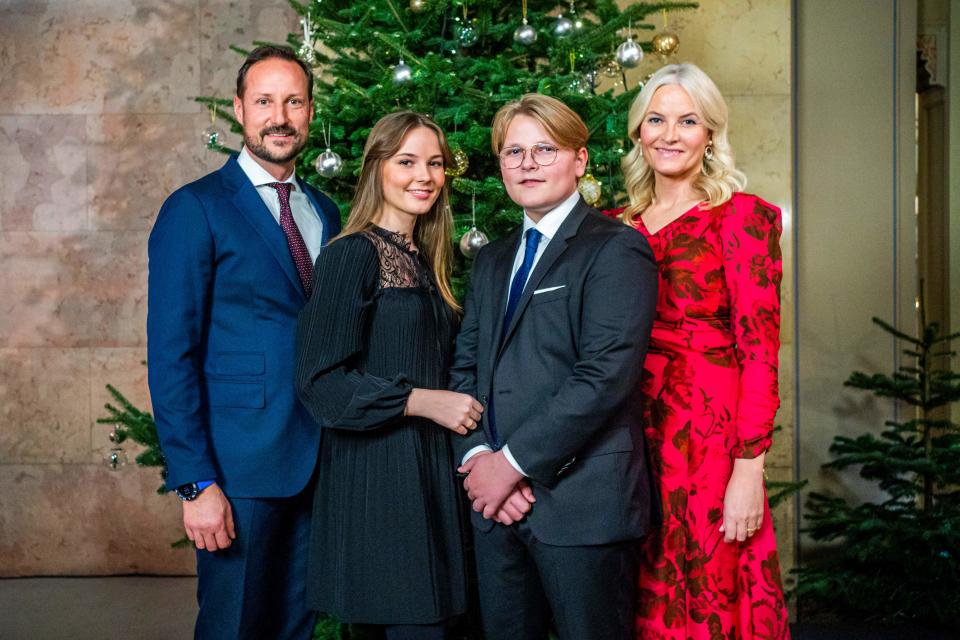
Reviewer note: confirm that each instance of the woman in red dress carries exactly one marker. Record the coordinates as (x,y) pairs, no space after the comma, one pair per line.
(710,381)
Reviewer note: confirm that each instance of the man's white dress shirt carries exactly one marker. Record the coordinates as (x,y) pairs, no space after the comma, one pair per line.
(309,223)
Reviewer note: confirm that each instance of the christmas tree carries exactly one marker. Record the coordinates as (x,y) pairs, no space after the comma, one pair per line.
(459,61)
(898,560)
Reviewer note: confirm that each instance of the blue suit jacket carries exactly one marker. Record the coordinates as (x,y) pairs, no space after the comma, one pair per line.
(223,300)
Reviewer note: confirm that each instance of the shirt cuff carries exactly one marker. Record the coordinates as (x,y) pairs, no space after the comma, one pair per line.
(512,460)
(203,484)
(477,449)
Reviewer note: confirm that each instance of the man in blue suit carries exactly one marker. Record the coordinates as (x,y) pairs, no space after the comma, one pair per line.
(231,260)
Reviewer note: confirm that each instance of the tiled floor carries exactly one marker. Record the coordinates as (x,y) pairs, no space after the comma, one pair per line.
(113,608)
(154,608)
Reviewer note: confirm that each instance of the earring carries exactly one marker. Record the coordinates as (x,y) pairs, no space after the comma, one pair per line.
(708,152)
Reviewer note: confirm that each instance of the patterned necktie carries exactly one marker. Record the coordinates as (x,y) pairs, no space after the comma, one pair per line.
(520,279)
(298,248)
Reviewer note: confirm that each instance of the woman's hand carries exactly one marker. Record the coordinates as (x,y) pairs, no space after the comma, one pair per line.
(458,412)
(743,503)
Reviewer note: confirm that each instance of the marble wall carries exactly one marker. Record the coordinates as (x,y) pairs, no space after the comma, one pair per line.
(100,129)
(857,227)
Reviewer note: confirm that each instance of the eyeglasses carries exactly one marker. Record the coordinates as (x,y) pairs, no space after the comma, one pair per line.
(542,154)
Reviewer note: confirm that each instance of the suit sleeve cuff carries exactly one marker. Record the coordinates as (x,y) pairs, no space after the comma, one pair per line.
(512,460)
(477,449)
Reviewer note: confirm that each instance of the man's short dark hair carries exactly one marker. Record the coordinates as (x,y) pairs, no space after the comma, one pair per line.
(266,52)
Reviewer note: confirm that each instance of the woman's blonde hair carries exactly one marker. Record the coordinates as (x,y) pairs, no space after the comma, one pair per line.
(434,229)
(719,179)
(561,123)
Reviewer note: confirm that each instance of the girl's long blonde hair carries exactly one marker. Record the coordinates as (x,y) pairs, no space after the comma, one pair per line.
(434,229)
(718,179)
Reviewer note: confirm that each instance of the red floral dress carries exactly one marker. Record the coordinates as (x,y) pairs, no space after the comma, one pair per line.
(710,395)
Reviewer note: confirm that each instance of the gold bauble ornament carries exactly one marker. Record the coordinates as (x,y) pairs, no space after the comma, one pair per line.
(611,68)
(590,188)
(460,163)
(666,43)
(417,6)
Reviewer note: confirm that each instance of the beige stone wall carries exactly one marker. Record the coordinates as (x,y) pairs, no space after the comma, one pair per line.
(856,226)
(97,127)
(100,129)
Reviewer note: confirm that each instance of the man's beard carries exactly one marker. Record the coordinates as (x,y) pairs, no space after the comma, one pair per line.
(258,147)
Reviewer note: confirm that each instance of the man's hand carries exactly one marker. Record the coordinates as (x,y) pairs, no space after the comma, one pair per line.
(208,520)
(517,505)
(490,481)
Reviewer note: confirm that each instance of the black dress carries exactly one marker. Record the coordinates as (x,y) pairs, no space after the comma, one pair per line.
(387,535)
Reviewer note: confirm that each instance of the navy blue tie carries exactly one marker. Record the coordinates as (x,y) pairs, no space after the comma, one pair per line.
(520,279)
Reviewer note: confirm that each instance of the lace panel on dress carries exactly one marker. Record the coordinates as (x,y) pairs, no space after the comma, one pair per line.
(399,265)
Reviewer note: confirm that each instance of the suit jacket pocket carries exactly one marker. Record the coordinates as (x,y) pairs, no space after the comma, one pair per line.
(550,296)
(243,395)
(611,442)
(239,363)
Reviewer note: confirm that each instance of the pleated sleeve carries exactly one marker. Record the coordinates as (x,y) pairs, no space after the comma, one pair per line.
(331,335)
(753,271)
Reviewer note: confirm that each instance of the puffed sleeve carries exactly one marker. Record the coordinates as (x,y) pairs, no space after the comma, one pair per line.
(331,334)
(753,270)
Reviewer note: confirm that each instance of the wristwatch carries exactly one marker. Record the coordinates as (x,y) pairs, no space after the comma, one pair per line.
(188,492)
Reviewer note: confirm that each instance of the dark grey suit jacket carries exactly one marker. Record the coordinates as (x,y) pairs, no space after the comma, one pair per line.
(565,376)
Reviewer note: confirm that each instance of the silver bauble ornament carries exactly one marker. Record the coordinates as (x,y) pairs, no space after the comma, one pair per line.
(417,6)
(590,188)
(525,35)
(328,164)
(115,459)
(590,80)
(307,53)
(402,73)
(563,27)
(467,35)
(211,137)
(629,54)
(580,84)
(472,241)
(461,162)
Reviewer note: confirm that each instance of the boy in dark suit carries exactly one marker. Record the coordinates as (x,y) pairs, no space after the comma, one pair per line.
(553,339)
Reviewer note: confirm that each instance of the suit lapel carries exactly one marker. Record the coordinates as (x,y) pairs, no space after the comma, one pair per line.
(558,244)
(251,206)
(320,211)
(499,287)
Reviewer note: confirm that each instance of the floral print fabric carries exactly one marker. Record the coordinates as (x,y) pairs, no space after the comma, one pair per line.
(710,394)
